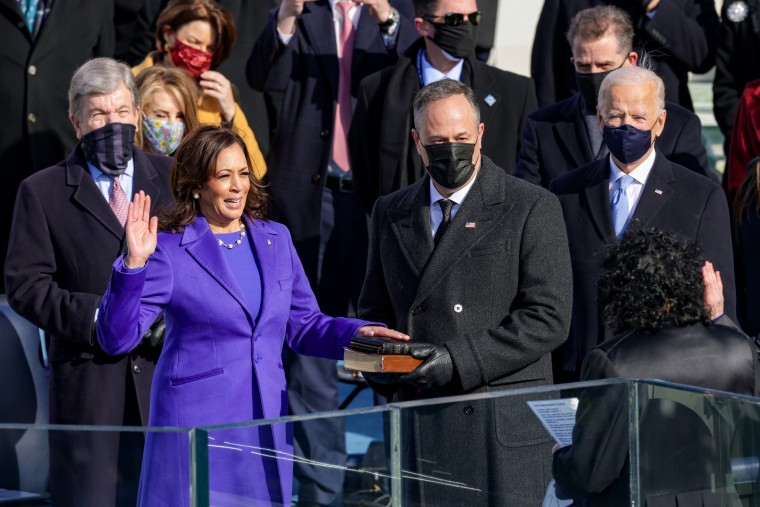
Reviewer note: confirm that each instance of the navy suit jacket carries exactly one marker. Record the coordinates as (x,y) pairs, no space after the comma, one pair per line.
(304,75)
(555,141)
(674,200)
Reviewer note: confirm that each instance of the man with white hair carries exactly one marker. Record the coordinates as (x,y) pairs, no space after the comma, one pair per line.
(635,186)
(68,228)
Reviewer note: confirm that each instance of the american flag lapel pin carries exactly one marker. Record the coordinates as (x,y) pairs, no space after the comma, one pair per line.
(658,191)
(469,225)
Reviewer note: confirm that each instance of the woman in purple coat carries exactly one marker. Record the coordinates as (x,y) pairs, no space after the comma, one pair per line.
(232,289)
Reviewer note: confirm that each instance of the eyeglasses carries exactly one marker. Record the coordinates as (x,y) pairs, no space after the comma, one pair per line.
(456,19)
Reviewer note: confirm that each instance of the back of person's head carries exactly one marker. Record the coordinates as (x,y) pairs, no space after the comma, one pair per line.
(651,280)
(180,12)
(175,82)
(99,76)
(439,90)
(592,24)
(194,166)
(636,76)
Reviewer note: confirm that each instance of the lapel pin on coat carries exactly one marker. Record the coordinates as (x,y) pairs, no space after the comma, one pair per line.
(469,225)
(490,100)
(658,191)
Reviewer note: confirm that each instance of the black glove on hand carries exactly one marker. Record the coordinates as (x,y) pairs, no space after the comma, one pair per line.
(437,369)
(154,336)
(381,378)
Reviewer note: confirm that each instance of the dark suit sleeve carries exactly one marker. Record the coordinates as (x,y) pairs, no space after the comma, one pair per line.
(266,69)
(549,45)
(29,276)
(600,435)
(540,315)
(688,30)
(689,151)
(107,39)
(374,300)
(714,239)
(363,141)
(730,77)
(527,167)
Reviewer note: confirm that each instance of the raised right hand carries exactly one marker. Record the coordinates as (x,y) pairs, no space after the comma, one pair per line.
(286,16)
(142,231)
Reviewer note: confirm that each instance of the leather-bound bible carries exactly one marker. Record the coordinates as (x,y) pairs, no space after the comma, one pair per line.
(385,363)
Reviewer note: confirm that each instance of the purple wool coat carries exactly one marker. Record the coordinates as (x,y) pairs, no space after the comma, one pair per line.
(219,364)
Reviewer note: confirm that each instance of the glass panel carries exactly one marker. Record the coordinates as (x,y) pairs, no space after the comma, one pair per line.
(697,447)
(253,463)
(491,449)
(91,465)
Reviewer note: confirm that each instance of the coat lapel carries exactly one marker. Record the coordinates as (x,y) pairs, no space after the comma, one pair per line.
(483,85)
(87,195)
(145,179)
(571,134)
(479,207)
(656,192)
(597,196)
(15,12)
(410,223)
(202,247)
(318,25)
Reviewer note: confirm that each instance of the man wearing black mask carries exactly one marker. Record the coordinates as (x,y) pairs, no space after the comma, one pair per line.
(68,228)
(564,136)
(635,185)
(473,264)
(381,147)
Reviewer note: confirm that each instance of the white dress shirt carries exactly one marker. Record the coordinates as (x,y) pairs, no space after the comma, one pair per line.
(436,215)
(639,175)
(105,182)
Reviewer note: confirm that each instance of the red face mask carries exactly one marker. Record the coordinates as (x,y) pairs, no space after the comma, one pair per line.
(194,61)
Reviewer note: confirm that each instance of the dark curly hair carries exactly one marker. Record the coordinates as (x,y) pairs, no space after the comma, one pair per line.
(194,165)
(651,280)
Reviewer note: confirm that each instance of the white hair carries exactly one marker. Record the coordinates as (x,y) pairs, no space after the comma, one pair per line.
(632,76)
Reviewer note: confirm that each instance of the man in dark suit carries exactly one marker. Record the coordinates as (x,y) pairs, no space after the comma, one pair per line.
(635,183)
(67,231)
(312,61)
(680,36)
(472,263)
(382,151)
(39,47)
(564,136)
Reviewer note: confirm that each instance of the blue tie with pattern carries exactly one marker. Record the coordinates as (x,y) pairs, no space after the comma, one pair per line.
(620,205)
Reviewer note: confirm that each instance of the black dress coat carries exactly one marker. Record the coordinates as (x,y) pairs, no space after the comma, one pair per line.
(734,65)
(680,38)
(674,200)
(63,241)
(383,153)
(36,131)
(678,465)
(556,141)
(304,75)
(497,295)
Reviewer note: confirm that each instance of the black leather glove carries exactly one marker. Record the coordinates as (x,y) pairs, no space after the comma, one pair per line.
(437,369)
(154,336)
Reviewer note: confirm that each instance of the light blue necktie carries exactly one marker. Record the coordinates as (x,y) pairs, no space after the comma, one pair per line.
(620,205)
(29,10)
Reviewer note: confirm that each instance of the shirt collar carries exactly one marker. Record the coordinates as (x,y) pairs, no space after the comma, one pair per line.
(98,174)
(640,174)
(430,74)
(332,4)
(457,197)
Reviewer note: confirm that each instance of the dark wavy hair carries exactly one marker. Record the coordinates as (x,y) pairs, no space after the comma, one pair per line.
(651,280)
(194,166)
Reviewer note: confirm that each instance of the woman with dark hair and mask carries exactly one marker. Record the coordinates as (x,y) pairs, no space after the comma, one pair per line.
(168,108)
(197,36)
(232,290)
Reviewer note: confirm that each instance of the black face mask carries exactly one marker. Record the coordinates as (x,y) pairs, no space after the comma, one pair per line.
(450,164)
(588,86)
(458,41)
(109,148)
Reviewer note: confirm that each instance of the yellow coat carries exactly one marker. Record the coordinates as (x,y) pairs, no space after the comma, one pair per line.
(209,112)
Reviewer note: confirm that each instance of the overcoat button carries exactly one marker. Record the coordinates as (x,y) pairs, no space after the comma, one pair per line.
(458,308)
(136,368)
(469,409)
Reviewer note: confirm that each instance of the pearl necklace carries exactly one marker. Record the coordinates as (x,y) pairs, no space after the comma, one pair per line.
(236,243)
